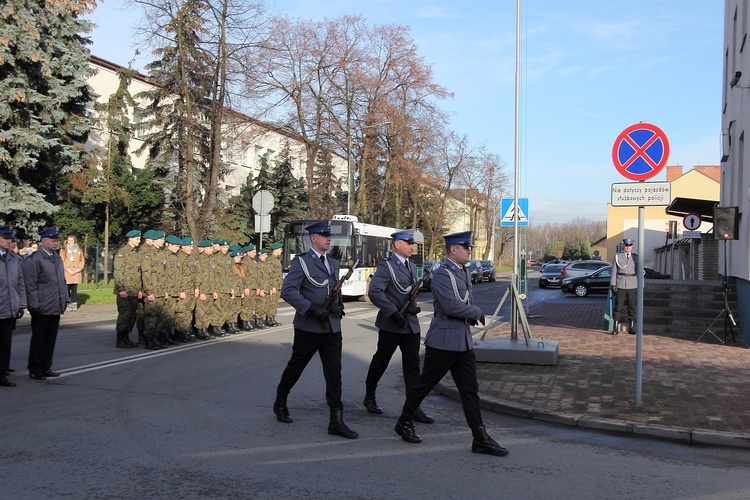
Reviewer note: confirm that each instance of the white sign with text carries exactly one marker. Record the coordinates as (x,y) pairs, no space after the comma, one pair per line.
(641,194)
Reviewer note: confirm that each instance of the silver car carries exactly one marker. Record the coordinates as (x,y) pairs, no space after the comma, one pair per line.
(578,268)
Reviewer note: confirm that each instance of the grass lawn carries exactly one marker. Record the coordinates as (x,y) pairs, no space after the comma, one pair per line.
(93,294)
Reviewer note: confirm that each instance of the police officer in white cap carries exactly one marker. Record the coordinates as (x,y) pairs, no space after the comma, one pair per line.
(624,284)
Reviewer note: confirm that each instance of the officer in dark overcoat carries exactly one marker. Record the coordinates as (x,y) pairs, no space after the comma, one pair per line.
(46,298)
(390,289)
(449,346)
(312,277)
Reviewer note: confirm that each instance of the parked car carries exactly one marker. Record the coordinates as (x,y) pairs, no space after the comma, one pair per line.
(534,263)
(475,271)
(551,275)
(582,267)
(432,267)
(598,281)
(651,274)
(488,270)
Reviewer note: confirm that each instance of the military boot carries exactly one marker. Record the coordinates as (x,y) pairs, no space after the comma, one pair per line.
(274,322)
(336,425)
(405,429)
(615,328)
(483,443)
(202,334)
(372,405)
(280,409)
(269,323)
(631,328)
(122,342)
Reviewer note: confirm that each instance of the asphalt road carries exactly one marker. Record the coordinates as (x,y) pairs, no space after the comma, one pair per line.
(195,421)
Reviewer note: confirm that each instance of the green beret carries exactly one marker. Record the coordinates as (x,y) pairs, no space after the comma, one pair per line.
(235,252)
(217,241)
(158,235)
(234,247)
(132,234)
(205,243)
(248,248)
(276,246)
(186,241)
(262,251)
(149,234)
(173,240)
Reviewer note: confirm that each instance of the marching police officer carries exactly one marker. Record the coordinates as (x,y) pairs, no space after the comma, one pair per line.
(449,346)
(312,276)
(390,288)
(624,283)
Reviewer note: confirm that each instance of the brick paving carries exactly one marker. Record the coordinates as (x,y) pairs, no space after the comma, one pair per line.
(685,385)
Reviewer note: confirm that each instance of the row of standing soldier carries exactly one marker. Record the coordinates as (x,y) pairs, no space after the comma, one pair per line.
(175,294)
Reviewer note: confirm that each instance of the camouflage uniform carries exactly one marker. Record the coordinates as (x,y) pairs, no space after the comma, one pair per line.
(247,305)
(127,276)
(153,264)
(183,319)
(263,307)
(204,282)
(276,280)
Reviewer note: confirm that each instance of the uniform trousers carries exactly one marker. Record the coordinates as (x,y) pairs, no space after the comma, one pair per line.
(625,310)
(43,339)
(6,336)
(463,368)
(387,344)
(306,344)
(127,313)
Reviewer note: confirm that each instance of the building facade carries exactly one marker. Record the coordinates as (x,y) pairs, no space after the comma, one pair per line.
(735,174)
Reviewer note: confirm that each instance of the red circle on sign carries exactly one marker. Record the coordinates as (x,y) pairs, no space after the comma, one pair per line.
(640,151)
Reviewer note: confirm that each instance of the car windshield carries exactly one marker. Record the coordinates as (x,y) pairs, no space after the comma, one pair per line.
(553,268)
(473,265)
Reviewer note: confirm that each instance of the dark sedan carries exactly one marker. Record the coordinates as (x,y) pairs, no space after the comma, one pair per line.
(598,281)
(551,275)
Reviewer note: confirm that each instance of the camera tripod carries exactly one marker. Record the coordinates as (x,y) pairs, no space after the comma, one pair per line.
(729,322)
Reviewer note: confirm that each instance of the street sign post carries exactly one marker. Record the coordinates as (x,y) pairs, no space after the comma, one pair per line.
(639,153)
(262,203)
(692,222)
(509,212)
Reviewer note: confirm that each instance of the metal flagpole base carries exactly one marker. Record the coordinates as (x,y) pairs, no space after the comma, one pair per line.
(505,350)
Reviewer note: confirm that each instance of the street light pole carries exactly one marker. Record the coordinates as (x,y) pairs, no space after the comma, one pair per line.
(349,174)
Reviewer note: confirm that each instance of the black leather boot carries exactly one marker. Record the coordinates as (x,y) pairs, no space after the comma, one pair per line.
(259,324)
(202,334)
(280,409)
(337,427)
(483,443)
(235,328)
(615,328)
(372,405)
(405,429)
(269,323)
(631,328)
(274,322)
(421,417)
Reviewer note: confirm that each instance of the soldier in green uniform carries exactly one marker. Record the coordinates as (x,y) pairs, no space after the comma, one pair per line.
(127,275)
(226,307)
(276,273)
(247,303)
(152,271)
(207,292)
(256,291)
(235,281)
(173,292)
(263,308)
(183,319)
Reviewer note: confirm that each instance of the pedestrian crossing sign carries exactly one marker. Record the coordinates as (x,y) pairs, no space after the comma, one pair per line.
(509,212)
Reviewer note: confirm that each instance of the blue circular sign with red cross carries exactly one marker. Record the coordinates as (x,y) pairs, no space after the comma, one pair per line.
(640,151)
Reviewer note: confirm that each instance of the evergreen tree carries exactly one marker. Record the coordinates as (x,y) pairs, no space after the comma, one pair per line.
(289,194)
(239,218)
(43,99)
(325,185)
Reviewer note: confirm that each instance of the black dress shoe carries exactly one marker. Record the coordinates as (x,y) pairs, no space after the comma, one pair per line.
(405,429)
(37,376)
(372,405)
(421,417)
(50,373)
(4,382)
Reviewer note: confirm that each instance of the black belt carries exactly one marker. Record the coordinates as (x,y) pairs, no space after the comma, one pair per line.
(623,274)
(454,318)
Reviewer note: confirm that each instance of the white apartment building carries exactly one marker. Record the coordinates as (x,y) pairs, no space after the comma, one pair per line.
(247,140)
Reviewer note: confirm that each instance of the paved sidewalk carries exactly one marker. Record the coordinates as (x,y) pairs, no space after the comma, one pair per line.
(692,392)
